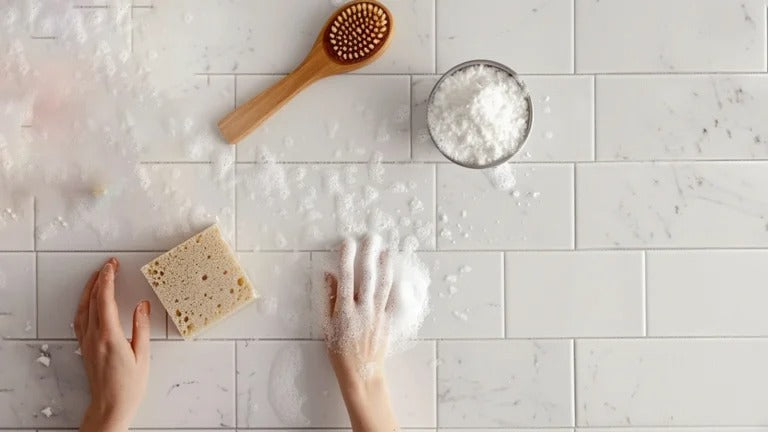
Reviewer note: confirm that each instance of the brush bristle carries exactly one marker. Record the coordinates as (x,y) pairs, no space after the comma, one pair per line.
(357,32)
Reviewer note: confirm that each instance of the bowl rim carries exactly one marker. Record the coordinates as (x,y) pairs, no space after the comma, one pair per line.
(498,66)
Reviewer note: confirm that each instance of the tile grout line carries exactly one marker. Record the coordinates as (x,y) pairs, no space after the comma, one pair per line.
(762,160)
(437,366)
(437,204)
(573,37)
(235,394)
(504,294)
(594,118)
(434,57)
(765,20)
(410,111)
(574,404)
(575,204)
(565,338)
(645,293)
(37,267)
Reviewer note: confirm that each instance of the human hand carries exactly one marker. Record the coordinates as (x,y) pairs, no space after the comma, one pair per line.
(356,333)
(117,369)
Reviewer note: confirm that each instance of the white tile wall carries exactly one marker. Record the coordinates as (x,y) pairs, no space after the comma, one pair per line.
(707,293)
(682,117)
(664,36)
(17,225)
(189,34)
(369,113)
(671,382)
(270,216)
(500,30)
(672,205)
(668,96)
(473,214)
(17,282)
(190,194)
(556,294)
(311,396)
(466,295)
(504,383)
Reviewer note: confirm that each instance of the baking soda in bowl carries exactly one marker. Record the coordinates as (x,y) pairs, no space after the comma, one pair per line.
(479,114)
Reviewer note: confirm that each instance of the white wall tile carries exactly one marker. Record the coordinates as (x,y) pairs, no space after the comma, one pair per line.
(473,214)
(179,201)
(29,387)
(574,294)
(687,429)
(671,205)
(707,293)
(671,382)
(505,430)
(190,385)
(562,121)
(17,225)
(286,207)
(629,36)
(504,31)
(187,35)
(17,291)
(682,117)
(189,132)
(62,276)
(291,384)
(337,119)
(466,295)
(283,307)
(504,383)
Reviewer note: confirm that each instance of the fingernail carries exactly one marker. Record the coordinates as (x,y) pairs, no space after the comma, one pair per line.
(145,308)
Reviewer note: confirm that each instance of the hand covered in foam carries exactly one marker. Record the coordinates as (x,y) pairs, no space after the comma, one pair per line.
(357,331)
(358,304)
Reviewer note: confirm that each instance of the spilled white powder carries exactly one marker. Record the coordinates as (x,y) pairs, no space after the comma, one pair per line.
(478,115)
(47,412)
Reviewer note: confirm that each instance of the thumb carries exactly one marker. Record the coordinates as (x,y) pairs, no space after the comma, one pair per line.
(140,339)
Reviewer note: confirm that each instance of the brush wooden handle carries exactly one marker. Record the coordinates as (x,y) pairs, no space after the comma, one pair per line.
(248,116)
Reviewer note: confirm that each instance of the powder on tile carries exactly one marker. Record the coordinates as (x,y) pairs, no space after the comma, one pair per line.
(478,115)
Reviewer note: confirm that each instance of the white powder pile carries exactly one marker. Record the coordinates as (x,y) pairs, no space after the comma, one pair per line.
(407,306)
(478,115)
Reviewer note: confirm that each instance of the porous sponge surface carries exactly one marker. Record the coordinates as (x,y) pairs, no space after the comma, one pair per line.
(199,282)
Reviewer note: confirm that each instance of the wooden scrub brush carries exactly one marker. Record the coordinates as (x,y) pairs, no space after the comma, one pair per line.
(354,36)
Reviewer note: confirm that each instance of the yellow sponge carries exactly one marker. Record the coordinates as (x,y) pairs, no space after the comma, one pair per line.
(199,282)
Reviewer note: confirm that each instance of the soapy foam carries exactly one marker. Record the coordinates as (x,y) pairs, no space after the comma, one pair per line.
(284,395)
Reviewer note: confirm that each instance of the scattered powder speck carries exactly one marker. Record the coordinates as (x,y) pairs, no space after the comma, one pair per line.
(44,348)
(478,115)
(451,278)
(79,352)
(461,315)
(44,360)
(465,269)
(47,412)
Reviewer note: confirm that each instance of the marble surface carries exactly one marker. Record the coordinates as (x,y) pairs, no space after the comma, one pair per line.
(619,285)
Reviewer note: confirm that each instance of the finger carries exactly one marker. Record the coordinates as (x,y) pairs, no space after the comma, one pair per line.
(384,281)
(93,309)
(332,287)
(107,307)
(346,288)
(81,315)
(140,335)
(370,263)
